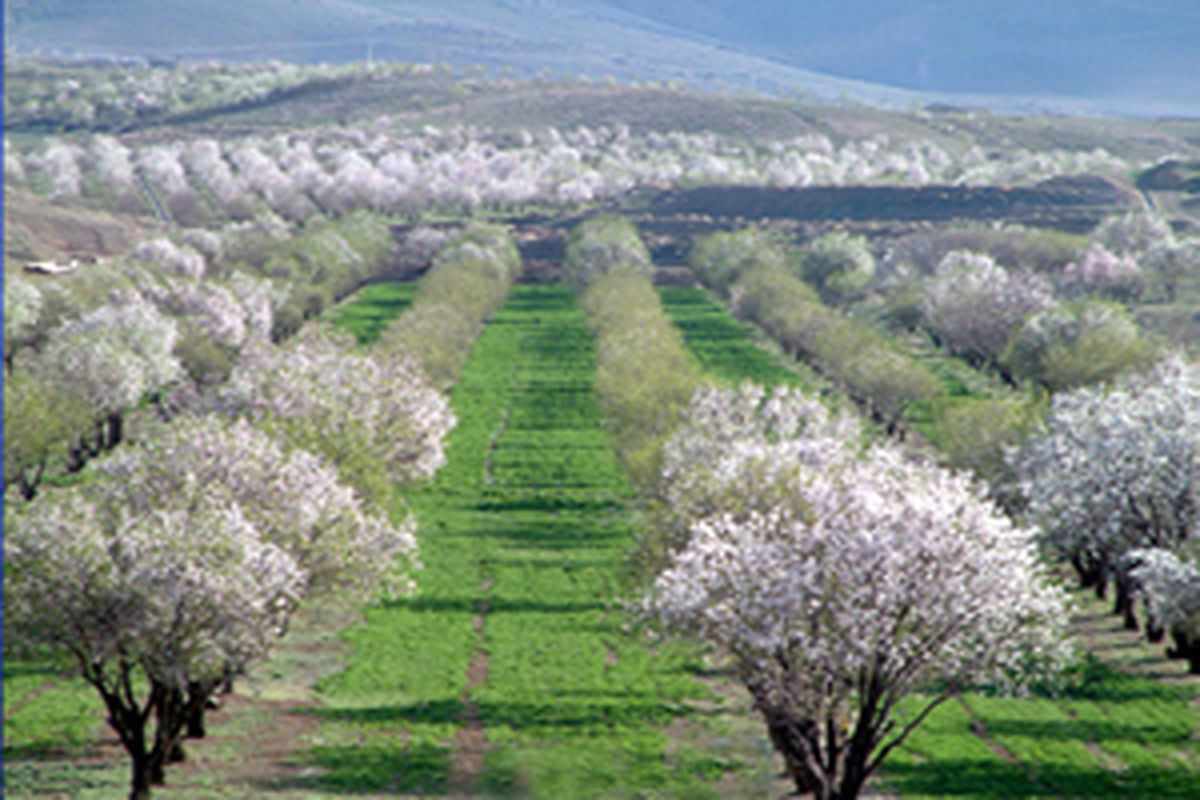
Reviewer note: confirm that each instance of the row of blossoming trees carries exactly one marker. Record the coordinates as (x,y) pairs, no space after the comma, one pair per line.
(181,556)
(48,95)
(1109,470)
(334,170)
(81,349)
(836,575)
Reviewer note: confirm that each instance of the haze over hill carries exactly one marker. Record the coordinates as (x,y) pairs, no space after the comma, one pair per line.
(1075,56)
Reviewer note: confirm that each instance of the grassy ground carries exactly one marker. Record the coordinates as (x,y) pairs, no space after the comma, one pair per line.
(372,309)
(724,347)
(1127,725)
(512,674)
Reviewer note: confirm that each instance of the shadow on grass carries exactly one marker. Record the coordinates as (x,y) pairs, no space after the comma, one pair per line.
(569,564)
(496,605)
(997,779)
(47,750)
(1094,680)
(550,502)
(559,715)
(24,669)
(46,775)
(1091,731)
(528,298)
(416,768)
(555,535)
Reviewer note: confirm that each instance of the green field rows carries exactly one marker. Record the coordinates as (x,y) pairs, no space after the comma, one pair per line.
(720,343)
(523,535)
(512,673)
(373,308)
(1111,735)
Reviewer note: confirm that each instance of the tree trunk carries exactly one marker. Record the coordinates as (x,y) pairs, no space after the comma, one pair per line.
(1124,603)
(28,483)
(1182,644)
(853,779)
(785,734)
(1089,573)
(169,718)
(79,453)
(195,723)
(199,695)
(115,425)
(139,785)
(128,723)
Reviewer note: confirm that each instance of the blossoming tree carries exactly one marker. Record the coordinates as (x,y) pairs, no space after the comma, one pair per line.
(1171,588)
(972,304)
(374,415)
(153,600)
(180,562)
(851,579)
(1116,468)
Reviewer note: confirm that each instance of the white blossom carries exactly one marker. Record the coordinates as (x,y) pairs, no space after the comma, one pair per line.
(843,579)
(1117,468)
(972,304)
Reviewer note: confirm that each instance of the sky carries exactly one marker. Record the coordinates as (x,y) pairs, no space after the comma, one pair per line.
(1086,48)
(1131,56)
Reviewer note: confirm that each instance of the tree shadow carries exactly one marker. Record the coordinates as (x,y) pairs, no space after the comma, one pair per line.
(420,768)
(470,604)
(1000,779)
(582,504)
(1094,680)
(558,714)
(1098,731)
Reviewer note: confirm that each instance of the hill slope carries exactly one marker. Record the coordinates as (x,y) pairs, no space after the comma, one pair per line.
(768,47)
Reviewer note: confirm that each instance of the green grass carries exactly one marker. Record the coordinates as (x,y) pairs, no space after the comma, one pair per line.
(47,709)
(50,723)
(1111,734)
(525,527)
(371,309)
(724,347)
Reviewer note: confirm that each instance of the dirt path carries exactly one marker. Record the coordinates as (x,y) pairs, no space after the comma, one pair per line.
(259,735)
(979,729)
(254,745)
(470,742)
(1102,633)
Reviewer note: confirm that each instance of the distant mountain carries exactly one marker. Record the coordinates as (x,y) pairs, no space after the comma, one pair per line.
(1075,56)
(1136,54)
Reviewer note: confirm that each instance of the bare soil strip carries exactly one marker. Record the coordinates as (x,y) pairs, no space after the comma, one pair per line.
(29,698)
(979,729)
(470,742)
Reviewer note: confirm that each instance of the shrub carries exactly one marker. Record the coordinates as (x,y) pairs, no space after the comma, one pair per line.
(600,244)
(839,265)
(644,376)
(471,276)
(852,355)
(721,259)
(1078,343)
(972,304)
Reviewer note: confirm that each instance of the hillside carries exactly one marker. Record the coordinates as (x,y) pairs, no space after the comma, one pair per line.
(525,283)
(1064,59)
